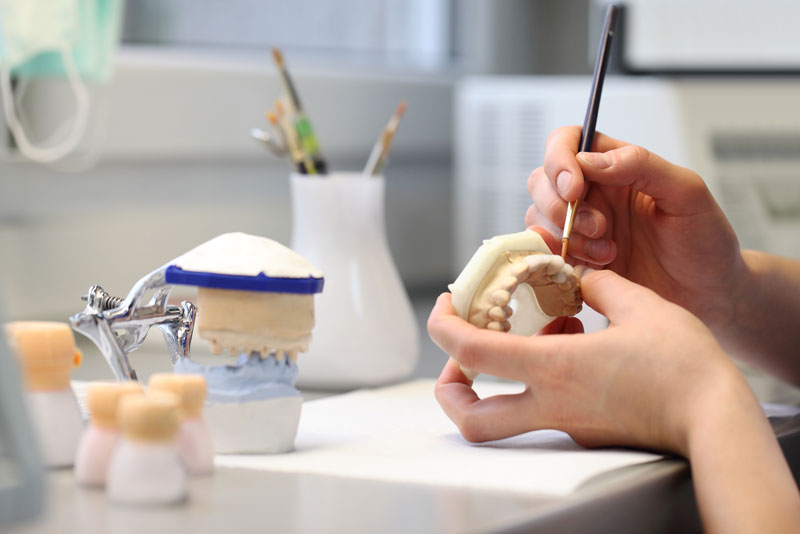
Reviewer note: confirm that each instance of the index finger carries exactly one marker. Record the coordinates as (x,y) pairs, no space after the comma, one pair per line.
(560,164)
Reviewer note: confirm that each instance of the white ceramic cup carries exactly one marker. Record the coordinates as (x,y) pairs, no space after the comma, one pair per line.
(365,332)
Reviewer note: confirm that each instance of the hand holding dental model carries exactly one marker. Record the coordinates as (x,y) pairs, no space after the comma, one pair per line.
(656,377)
(519,269)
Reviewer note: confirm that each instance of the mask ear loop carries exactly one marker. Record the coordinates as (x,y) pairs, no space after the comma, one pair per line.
(68,145)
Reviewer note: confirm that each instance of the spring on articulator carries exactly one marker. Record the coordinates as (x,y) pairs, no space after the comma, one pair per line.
(107,301)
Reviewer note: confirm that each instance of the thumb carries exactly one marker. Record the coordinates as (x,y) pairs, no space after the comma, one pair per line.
(676,190)
(611,294)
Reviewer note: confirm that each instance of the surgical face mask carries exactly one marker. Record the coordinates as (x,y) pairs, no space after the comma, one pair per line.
(55,38)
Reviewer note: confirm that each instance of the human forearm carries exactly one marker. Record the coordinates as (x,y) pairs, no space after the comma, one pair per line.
(741,480)
(764,324)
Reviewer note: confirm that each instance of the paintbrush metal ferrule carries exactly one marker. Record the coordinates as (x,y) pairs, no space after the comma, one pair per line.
(572,209)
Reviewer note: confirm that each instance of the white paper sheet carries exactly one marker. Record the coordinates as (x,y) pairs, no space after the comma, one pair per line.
(400,434)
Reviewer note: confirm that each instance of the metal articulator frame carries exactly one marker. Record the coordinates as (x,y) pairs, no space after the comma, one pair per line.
(119,326)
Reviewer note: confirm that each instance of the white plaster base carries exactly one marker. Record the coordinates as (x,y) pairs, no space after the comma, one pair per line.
(264,426)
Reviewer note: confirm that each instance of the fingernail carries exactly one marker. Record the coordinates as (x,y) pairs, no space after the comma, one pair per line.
(595,159)
(582,270)
(563,182)
(587,224)
(598,248)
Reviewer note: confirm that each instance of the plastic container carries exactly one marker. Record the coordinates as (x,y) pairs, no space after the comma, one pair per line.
(102,435)
(194,438)
(47,353)
(146,467)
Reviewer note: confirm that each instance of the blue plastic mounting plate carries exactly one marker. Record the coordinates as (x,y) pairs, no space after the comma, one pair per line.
(260,282)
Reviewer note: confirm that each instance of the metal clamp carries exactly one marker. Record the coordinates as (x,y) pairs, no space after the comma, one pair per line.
(119,326)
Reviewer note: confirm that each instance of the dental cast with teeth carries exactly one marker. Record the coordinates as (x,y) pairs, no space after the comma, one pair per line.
(255,302)
(518,266)
(515,271)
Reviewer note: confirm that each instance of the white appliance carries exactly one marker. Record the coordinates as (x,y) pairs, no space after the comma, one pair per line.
(742,135)
(707,35)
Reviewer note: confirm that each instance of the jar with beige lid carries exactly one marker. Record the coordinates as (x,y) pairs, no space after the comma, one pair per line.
(146,467)
(194,439)
(102,435)
(46,352)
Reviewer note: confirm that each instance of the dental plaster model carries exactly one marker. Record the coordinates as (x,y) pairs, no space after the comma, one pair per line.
(146,467)
(256,300)
(46,352)
(194,439)
(515,271)
(102,435)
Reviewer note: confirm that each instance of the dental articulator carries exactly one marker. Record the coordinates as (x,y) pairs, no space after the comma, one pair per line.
(255,300)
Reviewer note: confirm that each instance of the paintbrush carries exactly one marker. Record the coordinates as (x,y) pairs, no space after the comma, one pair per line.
(377,158)
(273,120)
(590,121)
(300,158)
(302,124)
(268,140)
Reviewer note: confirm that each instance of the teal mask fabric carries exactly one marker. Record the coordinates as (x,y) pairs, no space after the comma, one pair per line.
(34,34)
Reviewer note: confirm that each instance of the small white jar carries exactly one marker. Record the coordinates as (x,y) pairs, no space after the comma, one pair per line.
(194,440)
(146,467)
(46,352)
(102,435)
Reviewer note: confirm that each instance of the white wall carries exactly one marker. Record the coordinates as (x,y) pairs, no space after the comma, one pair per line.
(177,167)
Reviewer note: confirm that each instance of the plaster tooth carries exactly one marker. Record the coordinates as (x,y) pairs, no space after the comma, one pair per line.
(519,268)
(559,278)
(293,355)
(279,354)
(555,265)
(568,270)
(565,285)
(508,311)
(506,326)
(535,260)
(500,297)
(508,281)
(216,348)
(477,317)
(496,313)
(494,325)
